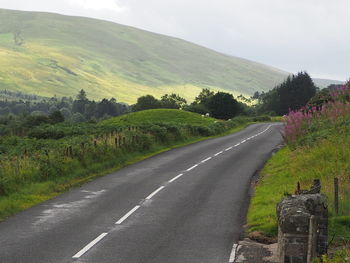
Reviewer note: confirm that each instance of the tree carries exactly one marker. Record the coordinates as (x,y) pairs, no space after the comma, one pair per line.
(66,112)
(292,94)
(222,106)
(203,96)
(56,117)
(172,101)
(78,117)
(82,95)
(80,102)
(146,102)
(256,95)
(107,107)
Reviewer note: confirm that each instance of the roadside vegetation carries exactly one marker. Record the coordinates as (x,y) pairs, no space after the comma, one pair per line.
(318,146)
(46,159)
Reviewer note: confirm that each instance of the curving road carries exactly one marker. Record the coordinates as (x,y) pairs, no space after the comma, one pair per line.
(186,205)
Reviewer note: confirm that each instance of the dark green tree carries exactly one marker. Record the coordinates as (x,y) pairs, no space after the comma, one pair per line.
(146,102)
(222,106)
(172,101)
(56,117)
(292,94)
(80,102)
(203,96)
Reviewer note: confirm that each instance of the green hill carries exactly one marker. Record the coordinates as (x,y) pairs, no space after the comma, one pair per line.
(48,54)
(157,116)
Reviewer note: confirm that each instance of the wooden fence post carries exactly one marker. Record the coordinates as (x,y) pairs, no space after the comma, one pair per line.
(336,195)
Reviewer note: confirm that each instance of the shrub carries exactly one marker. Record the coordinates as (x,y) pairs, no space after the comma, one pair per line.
(46,133)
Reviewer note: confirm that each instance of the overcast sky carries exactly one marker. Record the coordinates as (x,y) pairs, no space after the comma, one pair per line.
(293,35)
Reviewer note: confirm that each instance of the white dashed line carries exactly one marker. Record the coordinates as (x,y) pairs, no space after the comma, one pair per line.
(175,178)
(235,247)
(121,220)
(154,193)
(90,245)
(218,153)
(191,168)
(233,253)
(205,160)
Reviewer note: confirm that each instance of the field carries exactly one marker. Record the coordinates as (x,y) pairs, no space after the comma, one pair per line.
(50,54)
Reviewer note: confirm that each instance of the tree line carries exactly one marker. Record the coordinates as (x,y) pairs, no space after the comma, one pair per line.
(292,94)
(79,109)
(220,105)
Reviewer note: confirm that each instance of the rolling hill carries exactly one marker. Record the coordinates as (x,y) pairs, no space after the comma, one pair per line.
(50,54)
(324,83)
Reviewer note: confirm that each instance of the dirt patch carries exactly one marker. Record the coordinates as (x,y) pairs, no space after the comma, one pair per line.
(260,238)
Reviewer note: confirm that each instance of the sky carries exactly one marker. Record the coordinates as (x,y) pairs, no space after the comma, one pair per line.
(292,35)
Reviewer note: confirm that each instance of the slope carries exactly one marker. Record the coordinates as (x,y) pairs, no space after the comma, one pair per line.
(49,54)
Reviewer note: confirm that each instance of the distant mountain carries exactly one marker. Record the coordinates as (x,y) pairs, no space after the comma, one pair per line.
(324,83)
(50,54)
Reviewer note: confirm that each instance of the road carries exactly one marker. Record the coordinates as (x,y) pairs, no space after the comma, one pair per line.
(186,205)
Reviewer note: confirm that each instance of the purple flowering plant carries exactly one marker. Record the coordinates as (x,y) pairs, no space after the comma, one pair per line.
(310,118)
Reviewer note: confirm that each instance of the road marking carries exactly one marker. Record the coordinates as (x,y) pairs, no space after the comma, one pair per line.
(243,141)
(233,253)
(218,153)
(121,220)
(154,193)
(90,245)
(229,148)
(238,144)
(194,166)
(205,160)
(176,177)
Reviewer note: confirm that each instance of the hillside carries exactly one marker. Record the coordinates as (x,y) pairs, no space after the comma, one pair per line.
(324,83)
(48,54)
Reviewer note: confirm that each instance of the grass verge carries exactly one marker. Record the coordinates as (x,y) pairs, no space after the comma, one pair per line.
(326,159)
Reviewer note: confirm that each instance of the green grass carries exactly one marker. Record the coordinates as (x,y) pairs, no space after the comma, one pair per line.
(159,115)
(61,55)
(340,256)
(324,159)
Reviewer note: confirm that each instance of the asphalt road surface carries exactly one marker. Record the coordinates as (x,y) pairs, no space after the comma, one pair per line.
(186,205)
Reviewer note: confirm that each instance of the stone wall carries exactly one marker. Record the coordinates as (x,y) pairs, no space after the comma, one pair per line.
(303,226)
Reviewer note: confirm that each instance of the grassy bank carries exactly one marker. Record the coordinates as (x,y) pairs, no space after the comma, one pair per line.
(51,159)
(325,160)
(318,146)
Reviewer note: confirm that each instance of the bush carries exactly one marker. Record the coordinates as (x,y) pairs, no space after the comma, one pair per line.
(262,118)
(46,133)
